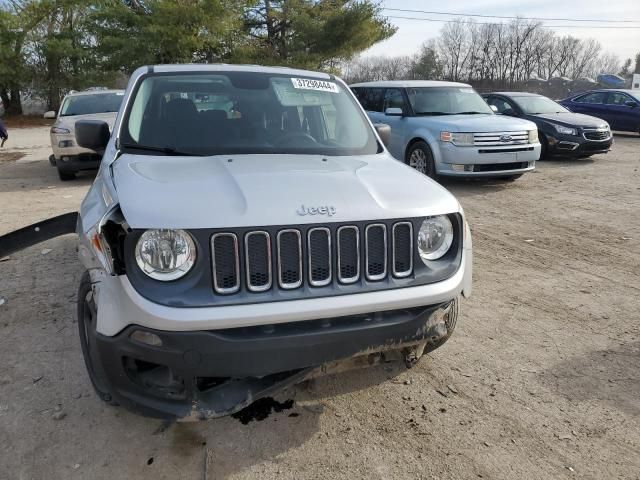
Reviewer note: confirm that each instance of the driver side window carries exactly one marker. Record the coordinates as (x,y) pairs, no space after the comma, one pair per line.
(500,104)
(393,99)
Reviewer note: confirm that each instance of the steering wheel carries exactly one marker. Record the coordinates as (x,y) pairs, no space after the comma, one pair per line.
(296,139)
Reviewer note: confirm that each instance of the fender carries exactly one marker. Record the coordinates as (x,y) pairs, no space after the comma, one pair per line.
(37,233)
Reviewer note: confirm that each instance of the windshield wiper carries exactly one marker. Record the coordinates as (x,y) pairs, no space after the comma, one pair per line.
(166,150)
(433,113)
(470,113)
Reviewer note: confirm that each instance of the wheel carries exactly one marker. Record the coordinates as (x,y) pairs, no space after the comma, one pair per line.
(450,322)
(87,317)
(65,176)
(420,157)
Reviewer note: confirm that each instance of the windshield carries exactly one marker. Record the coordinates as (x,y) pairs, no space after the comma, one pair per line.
(535,105)
(91,103)
(447,101)
(244,112)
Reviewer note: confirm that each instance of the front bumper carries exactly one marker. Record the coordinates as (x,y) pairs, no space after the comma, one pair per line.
(64,144)
(490,161)
(205,374)
(69,157)
(577,146)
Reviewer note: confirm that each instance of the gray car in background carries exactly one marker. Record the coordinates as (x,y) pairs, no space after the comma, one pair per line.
(446,128)
(68,156)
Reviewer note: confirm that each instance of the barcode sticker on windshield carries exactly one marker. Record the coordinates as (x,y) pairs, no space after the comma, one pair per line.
(321,85)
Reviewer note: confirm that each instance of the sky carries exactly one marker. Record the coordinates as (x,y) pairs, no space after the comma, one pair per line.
(624,42)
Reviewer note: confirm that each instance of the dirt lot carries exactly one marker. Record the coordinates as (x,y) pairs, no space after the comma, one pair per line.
(541,379)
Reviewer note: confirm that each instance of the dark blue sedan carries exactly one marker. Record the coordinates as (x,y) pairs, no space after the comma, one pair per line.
(619,108)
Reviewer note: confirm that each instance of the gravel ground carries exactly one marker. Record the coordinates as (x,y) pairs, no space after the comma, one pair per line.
(541,379)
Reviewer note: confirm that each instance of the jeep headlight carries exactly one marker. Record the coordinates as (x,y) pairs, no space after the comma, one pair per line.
(533,136)
(165,254)
(60,130)
(435,237)
(564,130)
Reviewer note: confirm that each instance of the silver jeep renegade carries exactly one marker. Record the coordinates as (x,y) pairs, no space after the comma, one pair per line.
(247,228)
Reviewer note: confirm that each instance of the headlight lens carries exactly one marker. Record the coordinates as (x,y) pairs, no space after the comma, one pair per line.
(165,254)
(60,130)
(458,139)
(435,237)
(564,130)
(533,136)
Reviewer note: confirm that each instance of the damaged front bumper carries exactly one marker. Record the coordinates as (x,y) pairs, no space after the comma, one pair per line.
(38,232)
(205,374)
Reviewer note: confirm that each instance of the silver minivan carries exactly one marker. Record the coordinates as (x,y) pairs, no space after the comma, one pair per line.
(446,128)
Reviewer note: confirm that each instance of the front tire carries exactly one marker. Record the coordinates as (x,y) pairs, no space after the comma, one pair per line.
(87,319)
(420,158)
(66,176)
(544,148)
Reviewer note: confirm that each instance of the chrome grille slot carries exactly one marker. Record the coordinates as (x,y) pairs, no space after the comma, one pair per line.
(226,263)
(376,251)
(402,249)
(258,260)
(289,259)
(348,254)
(500,138)
(319,253)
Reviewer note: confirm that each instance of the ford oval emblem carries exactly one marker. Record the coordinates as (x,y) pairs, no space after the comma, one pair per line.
(505,138)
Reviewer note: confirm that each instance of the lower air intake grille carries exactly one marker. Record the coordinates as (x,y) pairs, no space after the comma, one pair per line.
(319,256)
(258,258)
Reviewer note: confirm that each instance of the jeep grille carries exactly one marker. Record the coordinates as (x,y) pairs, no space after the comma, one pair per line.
(315,257)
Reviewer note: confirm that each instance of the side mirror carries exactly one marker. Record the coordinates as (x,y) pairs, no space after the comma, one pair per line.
(384,132)
(631,104)
(50,114)
(509,112)
(494,108)
(92,134)
(393,112)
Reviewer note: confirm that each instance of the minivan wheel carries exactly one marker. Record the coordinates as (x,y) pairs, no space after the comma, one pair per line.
(420,157)
(87,317)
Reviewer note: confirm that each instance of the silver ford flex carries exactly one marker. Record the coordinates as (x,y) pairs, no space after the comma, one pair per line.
(446,128)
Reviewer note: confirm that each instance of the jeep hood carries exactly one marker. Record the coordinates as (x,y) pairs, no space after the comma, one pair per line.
(254,190)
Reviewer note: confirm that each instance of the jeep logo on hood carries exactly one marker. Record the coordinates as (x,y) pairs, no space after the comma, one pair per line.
(324,210)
